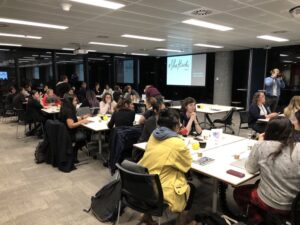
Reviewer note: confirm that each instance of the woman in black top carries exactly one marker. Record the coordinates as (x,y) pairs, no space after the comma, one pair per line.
(124,114)
(258,110)
(68,116)
(188,116)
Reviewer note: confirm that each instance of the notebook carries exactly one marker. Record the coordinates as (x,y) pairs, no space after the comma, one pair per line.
(239,163)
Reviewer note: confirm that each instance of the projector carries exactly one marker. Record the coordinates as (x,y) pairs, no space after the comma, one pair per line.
(80,51)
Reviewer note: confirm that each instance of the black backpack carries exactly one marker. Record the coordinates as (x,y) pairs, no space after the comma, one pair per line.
(210,218)
(40,152)
(104,204)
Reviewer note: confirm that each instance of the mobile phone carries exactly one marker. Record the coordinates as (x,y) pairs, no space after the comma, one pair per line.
(235,173)
(204,161)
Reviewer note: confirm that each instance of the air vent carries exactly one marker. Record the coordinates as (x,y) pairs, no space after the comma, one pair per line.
(102,36)
(199,12)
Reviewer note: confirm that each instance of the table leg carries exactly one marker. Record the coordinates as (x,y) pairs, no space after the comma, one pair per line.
(215,195)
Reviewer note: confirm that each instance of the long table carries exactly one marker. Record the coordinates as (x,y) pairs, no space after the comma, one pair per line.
(210,109)
(98,125)
(223,153)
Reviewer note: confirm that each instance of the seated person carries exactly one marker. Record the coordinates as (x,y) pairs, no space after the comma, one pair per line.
(294,106)
(68,117)
(9,98)
(82,92)
(258,110)
(97,89)
(107,89)
(50,99)
(33,112)
(296,123)
(151,123)
(129,92)
(188,116)
(117,93)
(90,100)
(123,115)
(107,105)
(19,99)
(150,102)
(276,157)
(167,155)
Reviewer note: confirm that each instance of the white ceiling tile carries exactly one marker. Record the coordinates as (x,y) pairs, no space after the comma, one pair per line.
(171,5)
(223,5)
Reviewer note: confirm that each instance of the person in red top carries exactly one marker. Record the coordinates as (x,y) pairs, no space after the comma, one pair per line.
(50,99)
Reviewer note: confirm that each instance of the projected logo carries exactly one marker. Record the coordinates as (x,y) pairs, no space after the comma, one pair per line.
(179,64)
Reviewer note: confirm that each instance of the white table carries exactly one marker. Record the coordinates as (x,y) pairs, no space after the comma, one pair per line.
(98,125)
(210,109)
(223,154)
(268,119)
(51,110)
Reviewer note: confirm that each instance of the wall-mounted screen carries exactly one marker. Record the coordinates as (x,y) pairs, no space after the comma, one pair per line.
(3,75)
(187,70)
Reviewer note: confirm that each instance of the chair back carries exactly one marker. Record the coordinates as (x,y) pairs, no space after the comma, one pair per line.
(295,212)
(141,191)
(244,116)
(83,111)
(228,117)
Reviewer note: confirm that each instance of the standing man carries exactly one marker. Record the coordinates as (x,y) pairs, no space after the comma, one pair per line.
(62,87)
(273,84)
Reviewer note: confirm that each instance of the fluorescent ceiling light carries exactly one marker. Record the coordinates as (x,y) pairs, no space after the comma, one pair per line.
(68,49)
(3,49)
(208,46)
(287,61)
(20,36)
(91,50)
(298,57)
(142,37)
(107,44)
(30,23)
(64,53)
(283,55)
(272,38)
(141,54)
(208,25)
(168,50)
(9,44)
(101,3)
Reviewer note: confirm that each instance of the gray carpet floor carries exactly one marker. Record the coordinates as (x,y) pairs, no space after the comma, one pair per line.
(38,194)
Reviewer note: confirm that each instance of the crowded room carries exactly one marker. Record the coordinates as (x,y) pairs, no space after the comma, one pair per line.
(150,112)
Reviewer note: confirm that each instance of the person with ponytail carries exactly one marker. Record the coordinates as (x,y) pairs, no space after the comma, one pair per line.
(277,157)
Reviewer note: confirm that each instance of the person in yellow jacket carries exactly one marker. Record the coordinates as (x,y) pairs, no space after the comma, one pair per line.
(167,155)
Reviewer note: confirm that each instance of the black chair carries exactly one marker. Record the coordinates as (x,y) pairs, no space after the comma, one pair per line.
(22,119)
(243,120)
(140,191)
(226,120)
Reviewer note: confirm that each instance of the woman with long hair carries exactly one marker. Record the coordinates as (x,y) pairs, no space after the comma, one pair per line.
(107,105)
(258,110)
(277,157)
(124,114)
(90,100)
(68,116)
(293,107)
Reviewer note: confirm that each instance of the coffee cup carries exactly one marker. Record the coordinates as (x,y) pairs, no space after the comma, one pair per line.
(236,156)
(202,144)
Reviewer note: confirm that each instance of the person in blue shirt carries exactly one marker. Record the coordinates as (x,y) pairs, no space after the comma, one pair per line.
(273,84)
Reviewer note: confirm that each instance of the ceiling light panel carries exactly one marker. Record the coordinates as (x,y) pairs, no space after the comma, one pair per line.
(101,3)
(272,38)
(208,46)
(31,23)
(201,23)
(107,44)
(142,37)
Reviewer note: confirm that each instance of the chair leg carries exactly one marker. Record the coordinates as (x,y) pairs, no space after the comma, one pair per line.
(119,211)
(158,220)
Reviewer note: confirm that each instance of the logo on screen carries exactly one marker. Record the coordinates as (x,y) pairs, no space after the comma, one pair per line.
(179,64)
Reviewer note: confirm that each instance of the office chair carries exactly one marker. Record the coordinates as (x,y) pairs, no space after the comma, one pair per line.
(243,120)
(140,191)
(226,120)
